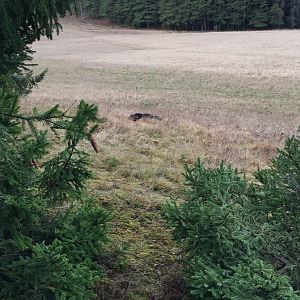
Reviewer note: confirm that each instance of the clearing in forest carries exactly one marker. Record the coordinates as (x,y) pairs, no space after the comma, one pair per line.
(231,96)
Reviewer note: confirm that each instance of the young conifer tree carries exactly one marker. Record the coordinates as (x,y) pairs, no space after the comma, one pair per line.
(51,233)
(240,240)
(22,23)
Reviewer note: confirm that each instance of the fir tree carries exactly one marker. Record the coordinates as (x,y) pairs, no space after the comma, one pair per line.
(258,14)
(240,240)
(127,12)
(140,11)
(219,14)
(200,14)
(237,19)
(185,12)
(151,13)
(51,233)
(169,13)
(22,23)
(276,16)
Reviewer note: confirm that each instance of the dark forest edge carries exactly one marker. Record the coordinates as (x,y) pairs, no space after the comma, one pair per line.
(198,15)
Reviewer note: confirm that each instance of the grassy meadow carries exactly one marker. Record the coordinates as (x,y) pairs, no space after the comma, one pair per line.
(231,96)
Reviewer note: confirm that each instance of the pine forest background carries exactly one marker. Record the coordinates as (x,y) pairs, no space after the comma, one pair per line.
(198,15)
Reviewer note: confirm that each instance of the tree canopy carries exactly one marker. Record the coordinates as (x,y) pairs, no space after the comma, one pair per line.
(51,232)
(199,14)
(21,23)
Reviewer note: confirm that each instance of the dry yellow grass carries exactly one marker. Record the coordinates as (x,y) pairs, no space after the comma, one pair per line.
(223,96)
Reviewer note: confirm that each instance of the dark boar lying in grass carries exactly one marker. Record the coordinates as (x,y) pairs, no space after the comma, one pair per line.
(138,116)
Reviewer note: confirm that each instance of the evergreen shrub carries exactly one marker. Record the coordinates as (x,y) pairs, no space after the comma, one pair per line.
(51,233)
(240,239)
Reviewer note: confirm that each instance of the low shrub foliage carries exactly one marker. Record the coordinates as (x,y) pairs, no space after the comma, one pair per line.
(51,233)
(240,239)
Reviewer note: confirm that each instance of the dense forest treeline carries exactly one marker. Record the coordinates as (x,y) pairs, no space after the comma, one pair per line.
(198,14)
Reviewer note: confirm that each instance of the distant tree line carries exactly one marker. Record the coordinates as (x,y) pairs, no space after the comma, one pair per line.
(198,14)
